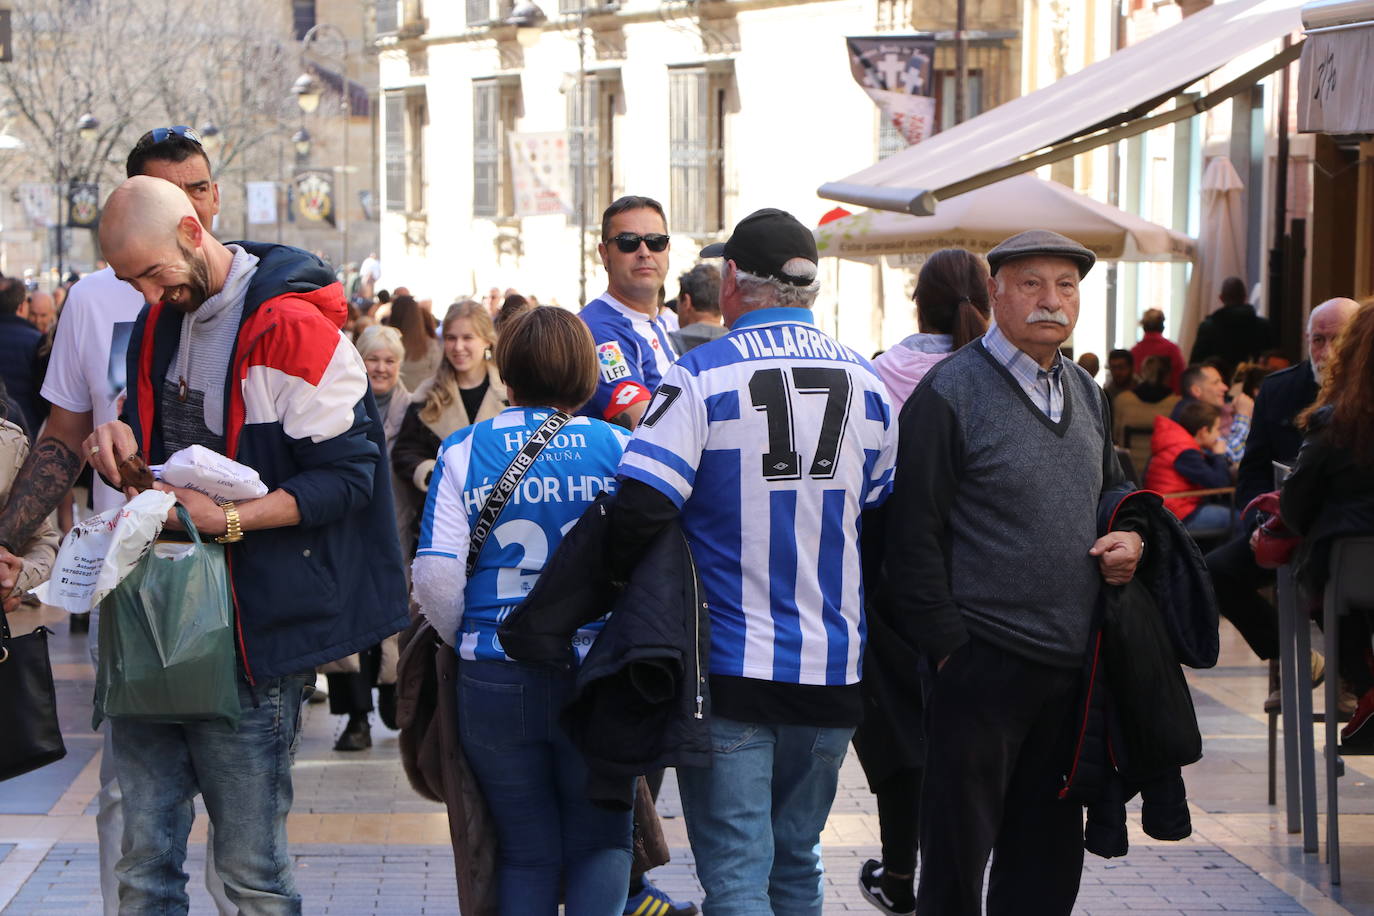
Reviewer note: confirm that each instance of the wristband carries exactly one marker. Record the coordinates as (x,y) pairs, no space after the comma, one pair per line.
(233,531)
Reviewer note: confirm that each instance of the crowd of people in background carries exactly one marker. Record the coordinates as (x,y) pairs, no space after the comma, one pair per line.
(692,531)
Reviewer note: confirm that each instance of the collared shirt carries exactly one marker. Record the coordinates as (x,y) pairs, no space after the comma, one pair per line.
(1236,436)
(1045,387)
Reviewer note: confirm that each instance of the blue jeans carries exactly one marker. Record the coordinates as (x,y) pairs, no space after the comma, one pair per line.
(755,816)
(534,782)
(244,774)
(1211,516)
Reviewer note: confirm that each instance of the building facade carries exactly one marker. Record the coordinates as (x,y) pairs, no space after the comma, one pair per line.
(718,108)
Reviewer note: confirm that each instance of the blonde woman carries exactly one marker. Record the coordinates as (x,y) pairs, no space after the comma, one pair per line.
(465,389)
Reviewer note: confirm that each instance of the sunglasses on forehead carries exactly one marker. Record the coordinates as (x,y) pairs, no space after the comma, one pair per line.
(160,134)
(629,243)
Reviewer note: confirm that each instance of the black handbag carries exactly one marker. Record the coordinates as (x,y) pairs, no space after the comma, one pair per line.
(30,736)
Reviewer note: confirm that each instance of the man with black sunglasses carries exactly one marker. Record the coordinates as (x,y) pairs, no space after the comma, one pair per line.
(632,346)
(85,384)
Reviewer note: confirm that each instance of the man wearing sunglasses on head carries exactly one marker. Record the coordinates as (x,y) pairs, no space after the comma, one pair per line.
(632,346)
(85,383)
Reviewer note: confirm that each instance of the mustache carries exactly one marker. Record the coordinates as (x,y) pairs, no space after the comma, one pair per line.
(1043,315)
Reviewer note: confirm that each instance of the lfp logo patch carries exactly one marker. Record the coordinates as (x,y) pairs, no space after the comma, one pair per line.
(613,364)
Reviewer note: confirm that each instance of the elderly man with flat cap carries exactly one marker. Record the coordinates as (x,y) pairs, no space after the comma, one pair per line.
(1004,453)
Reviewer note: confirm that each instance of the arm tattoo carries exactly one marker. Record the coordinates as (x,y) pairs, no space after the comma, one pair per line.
(48,473)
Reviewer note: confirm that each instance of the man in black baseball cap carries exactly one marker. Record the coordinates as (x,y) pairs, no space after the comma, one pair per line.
(769,248)
(767,243)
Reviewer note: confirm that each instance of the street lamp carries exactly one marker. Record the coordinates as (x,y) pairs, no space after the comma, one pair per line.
(528,20)
(209,136)
(307,91)
(86,128)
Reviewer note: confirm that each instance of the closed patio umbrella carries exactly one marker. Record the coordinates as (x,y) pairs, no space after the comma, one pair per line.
(1221,245)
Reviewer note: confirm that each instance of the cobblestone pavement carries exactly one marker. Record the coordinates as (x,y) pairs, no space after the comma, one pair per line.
(365,843)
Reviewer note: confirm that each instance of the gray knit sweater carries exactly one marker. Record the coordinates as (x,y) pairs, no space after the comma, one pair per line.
(994,511)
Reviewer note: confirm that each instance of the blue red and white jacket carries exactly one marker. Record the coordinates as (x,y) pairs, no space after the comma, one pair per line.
(298,410)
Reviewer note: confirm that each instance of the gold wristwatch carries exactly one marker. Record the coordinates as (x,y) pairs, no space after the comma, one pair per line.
(233,531)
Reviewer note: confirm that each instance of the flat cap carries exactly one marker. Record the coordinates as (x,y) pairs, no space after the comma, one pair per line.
(1041,243)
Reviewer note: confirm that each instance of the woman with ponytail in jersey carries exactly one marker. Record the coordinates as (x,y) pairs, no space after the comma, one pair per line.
(549,835)
(951,310)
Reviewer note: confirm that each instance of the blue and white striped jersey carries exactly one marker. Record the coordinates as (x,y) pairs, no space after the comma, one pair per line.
(573,468)
(632,351)
(772,440)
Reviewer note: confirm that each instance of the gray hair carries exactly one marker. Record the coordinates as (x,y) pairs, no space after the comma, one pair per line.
(380,337)
(765,292)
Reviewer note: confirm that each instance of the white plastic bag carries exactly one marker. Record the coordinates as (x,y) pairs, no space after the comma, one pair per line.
(223,480)
(97,554)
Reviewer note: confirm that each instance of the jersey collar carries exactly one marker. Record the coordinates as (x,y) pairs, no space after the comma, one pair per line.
(773,316)
(631,313)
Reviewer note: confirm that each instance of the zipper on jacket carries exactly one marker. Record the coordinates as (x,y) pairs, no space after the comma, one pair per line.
(228,556)
(234,367)
(238,628)
(698,607)
(1087,714)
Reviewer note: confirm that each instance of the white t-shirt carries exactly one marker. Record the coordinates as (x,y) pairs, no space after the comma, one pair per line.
(87,371)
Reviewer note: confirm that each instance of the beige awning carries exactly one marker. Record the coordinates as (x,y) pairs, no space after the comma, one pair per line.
(1102,103)
(1336,80)
(980,219)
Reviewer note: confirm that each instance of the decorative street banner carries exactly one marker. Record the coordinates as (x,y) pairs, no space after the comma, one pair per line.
(40,203)
(262,202)
(315,195)
(83,204)
(895,71)
(542,170)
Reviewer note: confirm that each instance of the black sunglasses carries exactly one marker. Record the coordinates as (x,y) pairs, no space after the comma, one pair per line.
(159,134)
(629,243)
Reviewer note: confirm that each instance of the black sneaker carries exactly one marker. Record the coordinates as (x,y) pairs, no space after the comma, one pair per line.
(893,901)
(357,736)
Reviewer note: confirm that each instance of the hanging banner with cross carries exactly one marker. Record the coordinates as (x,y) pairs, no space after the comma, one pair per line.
(896,72)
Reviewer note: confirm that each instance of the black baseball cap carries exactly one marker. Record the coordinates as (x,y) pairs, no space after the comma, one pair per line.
(764,241)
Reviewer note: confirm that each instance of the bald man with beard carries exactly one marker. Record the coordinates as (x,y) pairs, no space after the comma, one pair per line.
(240,351)
(1273,437)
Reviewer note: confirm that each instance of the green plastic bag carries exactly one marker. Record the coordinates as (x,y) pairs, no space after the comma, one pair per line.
(167,637)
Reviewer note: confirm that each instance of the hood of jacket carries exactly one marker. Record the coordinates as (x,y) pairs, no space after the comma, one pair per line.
(282,270)
(902,367)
